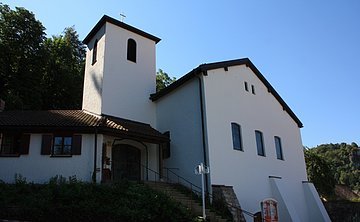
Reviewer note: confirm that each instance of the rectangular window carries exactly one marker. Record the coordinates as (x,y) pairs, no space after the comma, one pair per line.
(9,144)
(62,146)
(259,143)
(253,89)
(14,144)
(236,136)
(279,153)
(246,86)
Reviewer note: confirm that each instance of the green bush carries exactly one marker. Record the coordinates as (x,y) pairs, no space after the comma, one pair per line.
(72,200)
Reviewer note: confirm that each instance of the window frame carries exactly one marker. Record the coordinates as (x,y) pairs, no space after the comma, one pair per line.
(47,144)
(260,146)
(14,144)
(94,52)
(20,144)
(62,146)
(278,148)
(236,134)
(131,50)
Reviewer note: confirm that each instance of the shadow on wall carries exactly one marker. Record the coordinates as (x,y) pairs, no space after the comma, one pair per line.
(97,83)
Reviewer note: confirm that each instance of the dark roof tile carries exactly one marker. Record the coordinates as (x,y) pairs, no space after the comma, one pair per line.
(81,121)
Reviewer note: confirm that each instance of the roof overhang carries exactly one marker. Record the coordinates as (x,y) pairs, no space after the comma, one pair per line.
(120,24)
(78,121)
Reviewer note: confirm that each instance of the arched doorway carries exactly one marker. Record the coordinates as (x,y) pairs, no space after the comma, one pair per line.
(126,162)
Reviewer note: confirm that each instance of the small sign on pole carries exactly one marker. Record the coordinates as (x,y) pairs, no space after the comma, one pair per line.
(201,169)
(269,210)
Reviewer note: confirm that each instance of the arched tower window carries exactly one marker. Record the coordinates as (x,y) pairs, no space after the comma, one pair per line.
(131,50)
(94,54)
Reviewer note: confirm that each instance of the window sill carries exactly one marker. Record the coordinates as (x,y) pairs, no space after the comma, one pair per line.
(238,150)
(10,155)
(55,156)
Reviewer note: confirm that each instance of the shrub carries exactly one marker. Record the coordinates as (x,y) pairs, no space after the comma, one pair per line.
(73,200)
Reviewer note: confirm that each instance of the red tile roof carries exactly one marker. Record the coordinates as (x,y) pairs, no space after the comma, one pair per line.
(79,121)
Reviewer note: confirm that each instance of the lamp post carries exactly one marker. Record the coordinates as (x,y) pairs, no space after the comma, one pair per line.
(201,169)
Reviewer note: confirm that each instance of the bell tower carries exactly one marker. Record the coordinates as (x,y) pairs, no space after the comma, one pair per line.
(120,72)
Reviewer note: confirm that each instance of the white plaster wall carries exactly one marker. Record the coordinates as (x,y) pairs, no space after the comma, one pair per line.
(93,79)
(227,101)
(179,113)
(40,168)
(128,85)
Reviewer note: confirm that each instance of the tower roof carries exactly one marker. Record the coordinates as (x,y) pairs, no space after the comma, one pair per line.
(120,24)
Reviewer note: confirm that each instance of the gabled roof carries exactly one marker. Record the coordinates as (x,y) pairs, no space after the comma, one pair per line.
(77,121)
(202,69)
(120,24)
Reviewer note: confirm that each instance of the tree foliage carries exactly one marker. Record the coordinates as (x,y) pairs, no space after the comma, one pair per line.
(320,173)
(343,161)
(21,58)
(38,72)
(63,76)
(163,80)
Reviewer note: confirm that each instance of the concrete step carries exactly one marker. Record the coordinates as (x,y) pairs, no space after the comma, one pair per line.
(185,200)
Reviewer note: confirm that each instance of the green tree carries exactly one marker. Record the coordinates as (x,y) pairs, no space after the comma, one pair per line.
(21,58)
(163,80)
(63,77)
(343,162)
(320,173)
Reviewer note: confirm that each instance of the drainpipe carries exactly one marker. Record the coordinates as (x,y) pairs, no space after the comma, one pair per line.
(95,155)
(203,131)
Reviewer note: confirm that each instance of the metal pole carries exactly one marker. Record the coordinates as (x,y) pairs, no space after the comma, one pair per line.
(203,190)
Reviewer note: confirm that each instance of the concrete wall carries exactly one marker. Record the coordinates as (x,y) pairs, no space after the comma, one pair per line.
(115,85)
(93,79)
(40,168)
(179,112)
(128,85)
(226,101)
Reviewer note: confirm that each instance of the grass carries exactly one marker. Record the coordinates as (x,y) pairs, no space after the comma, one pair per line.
(72,200)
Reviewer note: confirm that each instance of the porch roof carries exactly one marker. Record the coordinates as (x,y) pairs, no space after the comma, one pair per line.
(80,121)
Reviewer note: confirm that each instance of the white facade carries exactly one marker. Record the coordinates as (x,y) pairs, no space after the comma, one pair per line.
(115,85)
(227,101)
(40,168)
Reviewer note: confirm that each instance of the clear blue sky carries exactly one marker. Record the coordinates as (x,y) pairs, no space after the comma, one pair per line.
(308,50)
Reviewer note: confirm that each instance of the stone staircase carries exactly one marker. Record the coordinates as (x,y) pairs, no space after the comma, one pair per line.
(186,200)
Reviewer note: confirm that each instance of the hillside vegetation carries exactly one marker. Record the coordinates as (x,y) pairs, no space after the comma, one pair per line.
(331,164)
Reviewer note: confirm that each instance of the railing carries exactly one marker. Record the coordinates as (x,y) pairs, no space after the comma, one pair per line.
(194,189)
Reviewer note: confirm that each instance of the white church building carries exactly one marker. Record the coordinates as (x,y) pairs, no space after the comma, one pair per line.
(224,114)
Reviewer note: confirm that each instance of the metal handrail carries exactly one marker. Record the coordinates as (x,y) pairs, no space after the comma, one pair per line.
(211,196)
(191,186)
